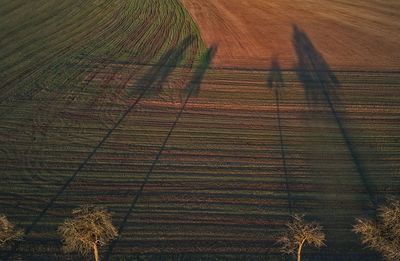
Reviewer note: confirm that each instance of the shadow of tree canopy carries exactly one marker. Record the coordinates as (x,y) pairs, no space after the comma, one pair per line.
(204,63)
(153,80)
(319,81)
(320,86)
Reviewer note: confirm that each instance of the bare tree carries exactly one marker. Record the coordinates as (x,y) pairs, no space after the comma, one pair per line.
(383,233)
(8,232)
(298,233)
(90,228)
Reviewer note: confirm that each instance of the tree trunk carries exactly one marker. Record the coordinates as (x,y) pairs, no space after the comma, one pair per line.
(96,252)
(299,250)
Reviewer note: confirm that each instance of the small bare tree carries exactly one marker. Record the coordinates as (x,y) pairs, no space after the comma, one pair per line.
(298,233)
(90,228)
(382,234)
(8,232)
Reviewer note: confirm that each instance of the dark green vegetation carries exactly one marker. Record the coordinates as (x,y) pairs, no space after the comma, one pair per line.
(50,45)
(101,104)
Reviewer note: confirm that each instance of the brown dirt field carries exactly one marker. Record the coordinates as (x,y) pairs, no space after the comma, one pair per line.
(350,35)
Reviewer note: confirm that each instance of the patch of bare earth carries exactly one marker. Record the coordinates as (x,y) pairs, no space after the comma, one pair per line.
(349,34)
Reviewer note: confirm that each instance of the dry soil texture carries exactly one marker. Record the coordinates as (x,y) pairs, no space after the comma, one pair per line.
(349,34)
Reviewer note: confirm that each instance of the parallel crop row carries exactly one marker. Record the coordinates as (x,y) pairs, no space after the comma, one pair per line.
(220,175)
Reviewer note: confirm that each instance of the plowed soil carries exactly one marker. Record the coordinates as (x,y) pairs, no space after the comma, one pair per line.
(350,35)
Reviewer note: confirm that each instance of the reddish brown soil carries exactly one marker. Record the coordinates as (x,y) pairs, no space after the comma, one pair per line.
(349,34)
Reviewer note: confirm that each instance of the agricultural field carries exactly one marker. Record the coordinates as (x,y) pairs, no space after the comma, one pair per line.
(201,125)
(356,35)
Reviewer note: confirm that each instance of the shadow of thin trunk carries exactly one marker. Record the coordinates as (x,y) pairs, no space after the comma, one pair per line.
(276,83)
(320,85)
(192,88)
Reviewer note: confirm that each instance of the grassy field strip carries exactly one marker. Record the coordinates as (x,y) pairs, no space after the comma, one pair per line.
(219,185)
(341,188)
(223,161)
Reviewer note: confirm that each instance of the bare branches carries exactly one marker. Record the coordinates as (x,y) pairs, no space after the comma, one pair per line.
(8,232)
(382,235)
(89,228)
(298,233)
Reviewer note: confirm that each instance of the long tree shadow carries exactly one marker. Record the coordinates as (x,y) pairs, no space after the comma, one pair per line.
(321,88)
(320,85)
(192,88)
(276,83)
(157,74)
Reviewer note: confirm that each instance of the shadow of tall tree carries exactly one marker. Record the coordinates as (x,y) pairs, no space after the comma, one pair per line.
(320,86)
(193,87)
(276,83)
